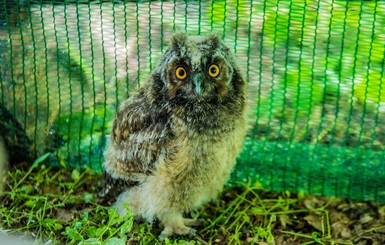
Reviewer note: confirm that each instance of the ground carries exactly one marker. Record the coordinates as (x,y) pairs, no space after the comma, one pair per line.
(62,206)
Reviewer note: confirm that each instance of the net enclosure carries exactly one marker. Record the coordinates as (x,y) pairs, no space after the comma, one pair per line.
(315,73)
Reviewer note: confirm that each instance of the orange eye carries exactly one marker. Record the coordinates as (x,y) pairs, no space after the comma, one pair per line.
(180,73)
(213,70)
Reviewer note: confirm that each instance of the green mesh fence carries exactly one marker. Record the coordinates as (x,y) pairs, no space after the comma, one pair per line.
(315,71)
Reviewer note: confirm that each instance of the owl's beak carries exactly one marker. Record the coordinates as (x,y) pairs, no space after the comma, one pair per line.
(198,84)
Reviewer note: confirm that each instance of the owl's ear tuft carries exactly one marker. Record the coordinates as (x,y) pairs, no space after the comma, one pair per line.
(178,40)
(215,42)
(214,37)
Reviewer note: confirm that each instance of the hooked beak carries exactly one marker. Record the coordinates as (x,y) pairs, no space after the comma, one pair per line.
(198,84)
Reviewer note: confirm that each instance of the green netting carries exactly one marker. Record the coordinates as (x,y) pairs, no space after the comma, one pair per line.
(315,71)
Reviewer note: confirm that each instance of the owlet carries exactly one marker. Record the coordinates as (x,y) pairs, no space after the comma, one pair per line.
(174,142)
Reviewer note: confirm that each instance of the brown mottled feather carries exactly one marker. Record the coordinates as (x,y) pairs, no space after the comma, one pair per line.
(139,132)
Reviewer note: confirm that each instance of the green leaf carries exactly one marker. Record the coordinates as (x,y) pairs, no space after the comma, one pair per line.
(40,159)
(246,218)
(27,189)
(91,231)
(52,224)
(100,231)
(73,234)
(126,227)
(270,238)
(316,237)
(30,203)
(75,174)
(115,241)
(261,232)
(57,227)
(257,210)
(93,241)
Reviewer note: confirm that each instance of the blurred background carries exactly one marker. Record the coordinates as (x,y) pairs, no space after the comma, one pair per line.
(315,71)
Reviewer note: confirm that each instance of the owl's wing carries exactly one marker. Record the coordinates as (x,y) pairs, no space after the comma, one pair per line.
(140,132)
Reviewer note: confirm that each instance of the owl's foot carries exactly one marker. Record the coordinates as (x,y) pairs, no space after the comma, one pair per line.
(193,222)
(176,230)
(178,226)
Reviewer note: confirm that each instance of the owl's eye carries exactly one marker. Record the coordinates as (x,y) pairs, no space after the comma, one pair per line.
(213,70)
(180,73)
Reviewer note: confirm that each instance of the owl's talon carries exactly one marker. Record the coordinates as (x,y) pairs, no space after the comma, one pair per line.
(179,230)
(192,232)
(162,236)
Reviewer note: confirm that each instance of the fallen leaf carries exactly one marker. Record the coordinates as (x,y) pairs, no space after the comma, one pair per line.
(314,220)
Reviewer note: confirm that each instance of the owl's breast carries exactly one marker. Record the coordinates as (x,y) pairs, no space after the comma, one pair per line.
(199,164)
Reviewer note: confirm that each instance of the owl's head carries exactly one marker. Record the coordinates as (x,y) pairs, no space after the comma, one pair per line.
(198,69)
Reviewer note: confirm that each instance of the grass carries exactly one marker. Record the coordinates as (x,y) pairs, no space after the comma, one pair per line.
(63,206)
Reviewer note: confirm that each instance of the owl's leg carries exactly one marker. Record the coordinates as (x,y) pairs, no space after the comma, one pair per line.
(175,224)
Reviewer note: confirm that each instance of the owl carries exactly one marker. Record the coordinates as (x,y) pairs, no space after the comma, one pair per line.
(174,143)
